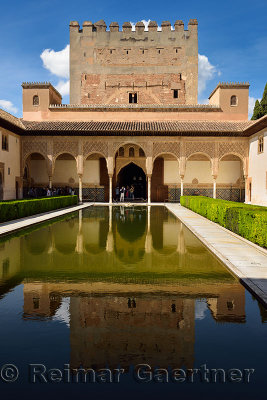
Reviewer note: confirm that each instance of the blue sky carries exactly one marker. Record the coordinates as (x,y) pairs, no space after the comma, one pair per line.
(232,37)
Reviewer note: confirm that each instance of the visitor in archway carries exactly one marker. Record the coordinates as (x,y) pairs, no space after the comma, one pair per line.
(122,191)
(117,193)
(132,192)
(127,193)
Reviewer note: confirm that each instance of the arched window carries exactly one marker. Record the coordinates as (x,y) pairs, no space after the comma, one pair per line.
(141,153)
(121,152)
(131,152)
(35,100)
(233,101)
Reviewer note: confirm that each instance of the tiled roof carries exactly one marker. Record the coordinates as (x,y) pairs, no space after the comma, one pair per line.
(5,116)
(194,128)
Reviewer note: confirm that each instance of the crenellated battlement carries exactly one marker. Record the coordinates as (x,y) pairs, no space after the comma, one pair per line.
(127,27)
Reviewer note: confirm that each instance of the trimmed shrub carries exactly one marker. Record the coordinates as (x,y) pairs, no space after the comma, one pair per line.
(248,221)
(23,208)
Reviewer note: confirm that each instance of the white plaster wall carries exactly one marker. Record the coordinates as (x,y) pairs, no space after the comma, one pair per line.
(11,159)
(229,172)
(171,172)
(257,170)
(38,172)
(201,170)
(64,170)
(91,174)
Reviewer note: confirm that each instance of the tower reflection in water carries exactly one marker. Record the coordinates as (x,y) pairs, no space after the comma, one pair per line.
(129,283)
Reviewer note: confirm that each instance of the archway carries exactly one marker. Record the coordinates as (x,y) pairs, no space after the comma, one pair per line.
(132,175)
(35,176)
(230,182)
(95,178)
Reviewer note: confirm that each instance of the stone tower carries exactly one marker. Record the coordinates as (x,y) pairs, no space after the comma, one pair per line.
(124,67)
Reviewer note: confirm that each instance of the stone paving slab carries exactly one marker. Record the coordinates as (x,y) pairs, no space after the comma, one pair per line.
(16,224)
(244,259)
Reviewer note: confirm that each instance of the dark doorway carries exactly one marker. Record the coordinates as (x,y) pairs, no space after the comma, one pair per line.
(133,175)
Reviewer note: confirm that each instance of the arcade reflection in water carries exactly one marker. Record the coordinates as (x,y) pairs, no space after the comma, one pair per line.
(126,281)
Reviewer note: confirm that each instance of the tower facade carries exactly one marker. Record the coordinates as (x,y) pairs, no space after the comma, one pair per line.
(133,67)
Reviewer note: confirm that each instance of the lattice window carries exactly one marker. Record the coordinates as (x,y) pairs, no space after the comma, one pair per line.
(260,144)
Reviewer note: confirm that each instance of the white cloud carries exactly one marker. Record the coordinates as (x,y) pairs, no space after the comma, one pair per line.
(251,104)
(8,106)
(206,72)
(146,22)
(57,62)
(63,87)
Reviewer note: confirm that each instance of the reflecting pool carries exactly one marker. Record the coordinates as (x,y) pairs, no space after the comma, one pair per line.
(113,288)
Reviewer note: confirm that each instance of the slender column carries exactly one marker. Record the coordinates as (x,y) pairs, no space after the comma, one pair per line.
(50,182)
(149,189)
(182,185)
(110,189)
(214,187)
(80,189)
(110,240)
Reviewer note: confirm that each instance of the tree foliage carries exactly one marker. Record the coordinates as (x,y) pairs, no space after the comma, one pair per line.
(260,108)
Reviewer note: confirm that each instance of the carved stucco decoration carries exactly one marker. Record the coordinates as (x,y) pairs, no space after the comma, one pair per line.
(193,147)
(33,146)
(95,147)
(230,147)
(65,146)
(166,147)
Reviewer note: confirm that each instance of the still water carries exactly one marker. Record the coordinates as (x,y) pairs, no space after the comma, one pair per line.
(110,288)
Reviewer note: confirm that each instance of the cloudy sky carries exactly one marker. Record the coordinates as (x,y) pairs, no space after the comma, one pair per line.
(34,43)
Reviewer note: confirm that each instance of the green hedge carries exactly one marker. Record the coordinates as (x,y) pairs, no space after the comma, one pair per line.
(10,210)
(246,220)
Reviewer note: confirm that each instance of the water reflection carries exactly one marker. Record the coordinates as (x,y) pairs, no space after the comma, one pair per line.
(129,283)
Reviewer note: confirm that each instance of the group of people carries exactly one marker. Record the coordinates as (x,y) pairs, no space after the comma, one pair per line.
(48,192)
(124,193)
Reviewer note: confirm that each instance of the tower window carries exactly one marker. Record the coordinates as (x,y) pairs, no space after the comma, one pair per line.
(260,144)
(35,100)
(175,94)
(159,51)
(133,98)
(233,101)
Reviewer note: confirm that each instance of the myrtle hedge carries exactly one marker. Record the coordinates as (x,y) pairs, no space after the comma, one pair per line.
(249,221)
(10,210)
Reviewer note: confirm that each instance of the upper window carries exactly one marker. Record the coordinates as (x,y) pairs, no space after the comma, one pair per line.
(233,101)
(133,98)
(175,93)
(5,142)
(260,144)
(121,152)
(131,152)
(141,153)
(35,100)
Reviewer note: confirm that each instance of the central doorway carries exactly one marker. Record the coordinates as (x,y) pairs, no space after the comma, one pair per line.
(130,175)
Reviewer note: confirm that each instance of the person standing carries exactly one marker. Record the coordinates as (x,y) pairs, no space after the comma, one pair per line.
(132,192)
(122,193)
